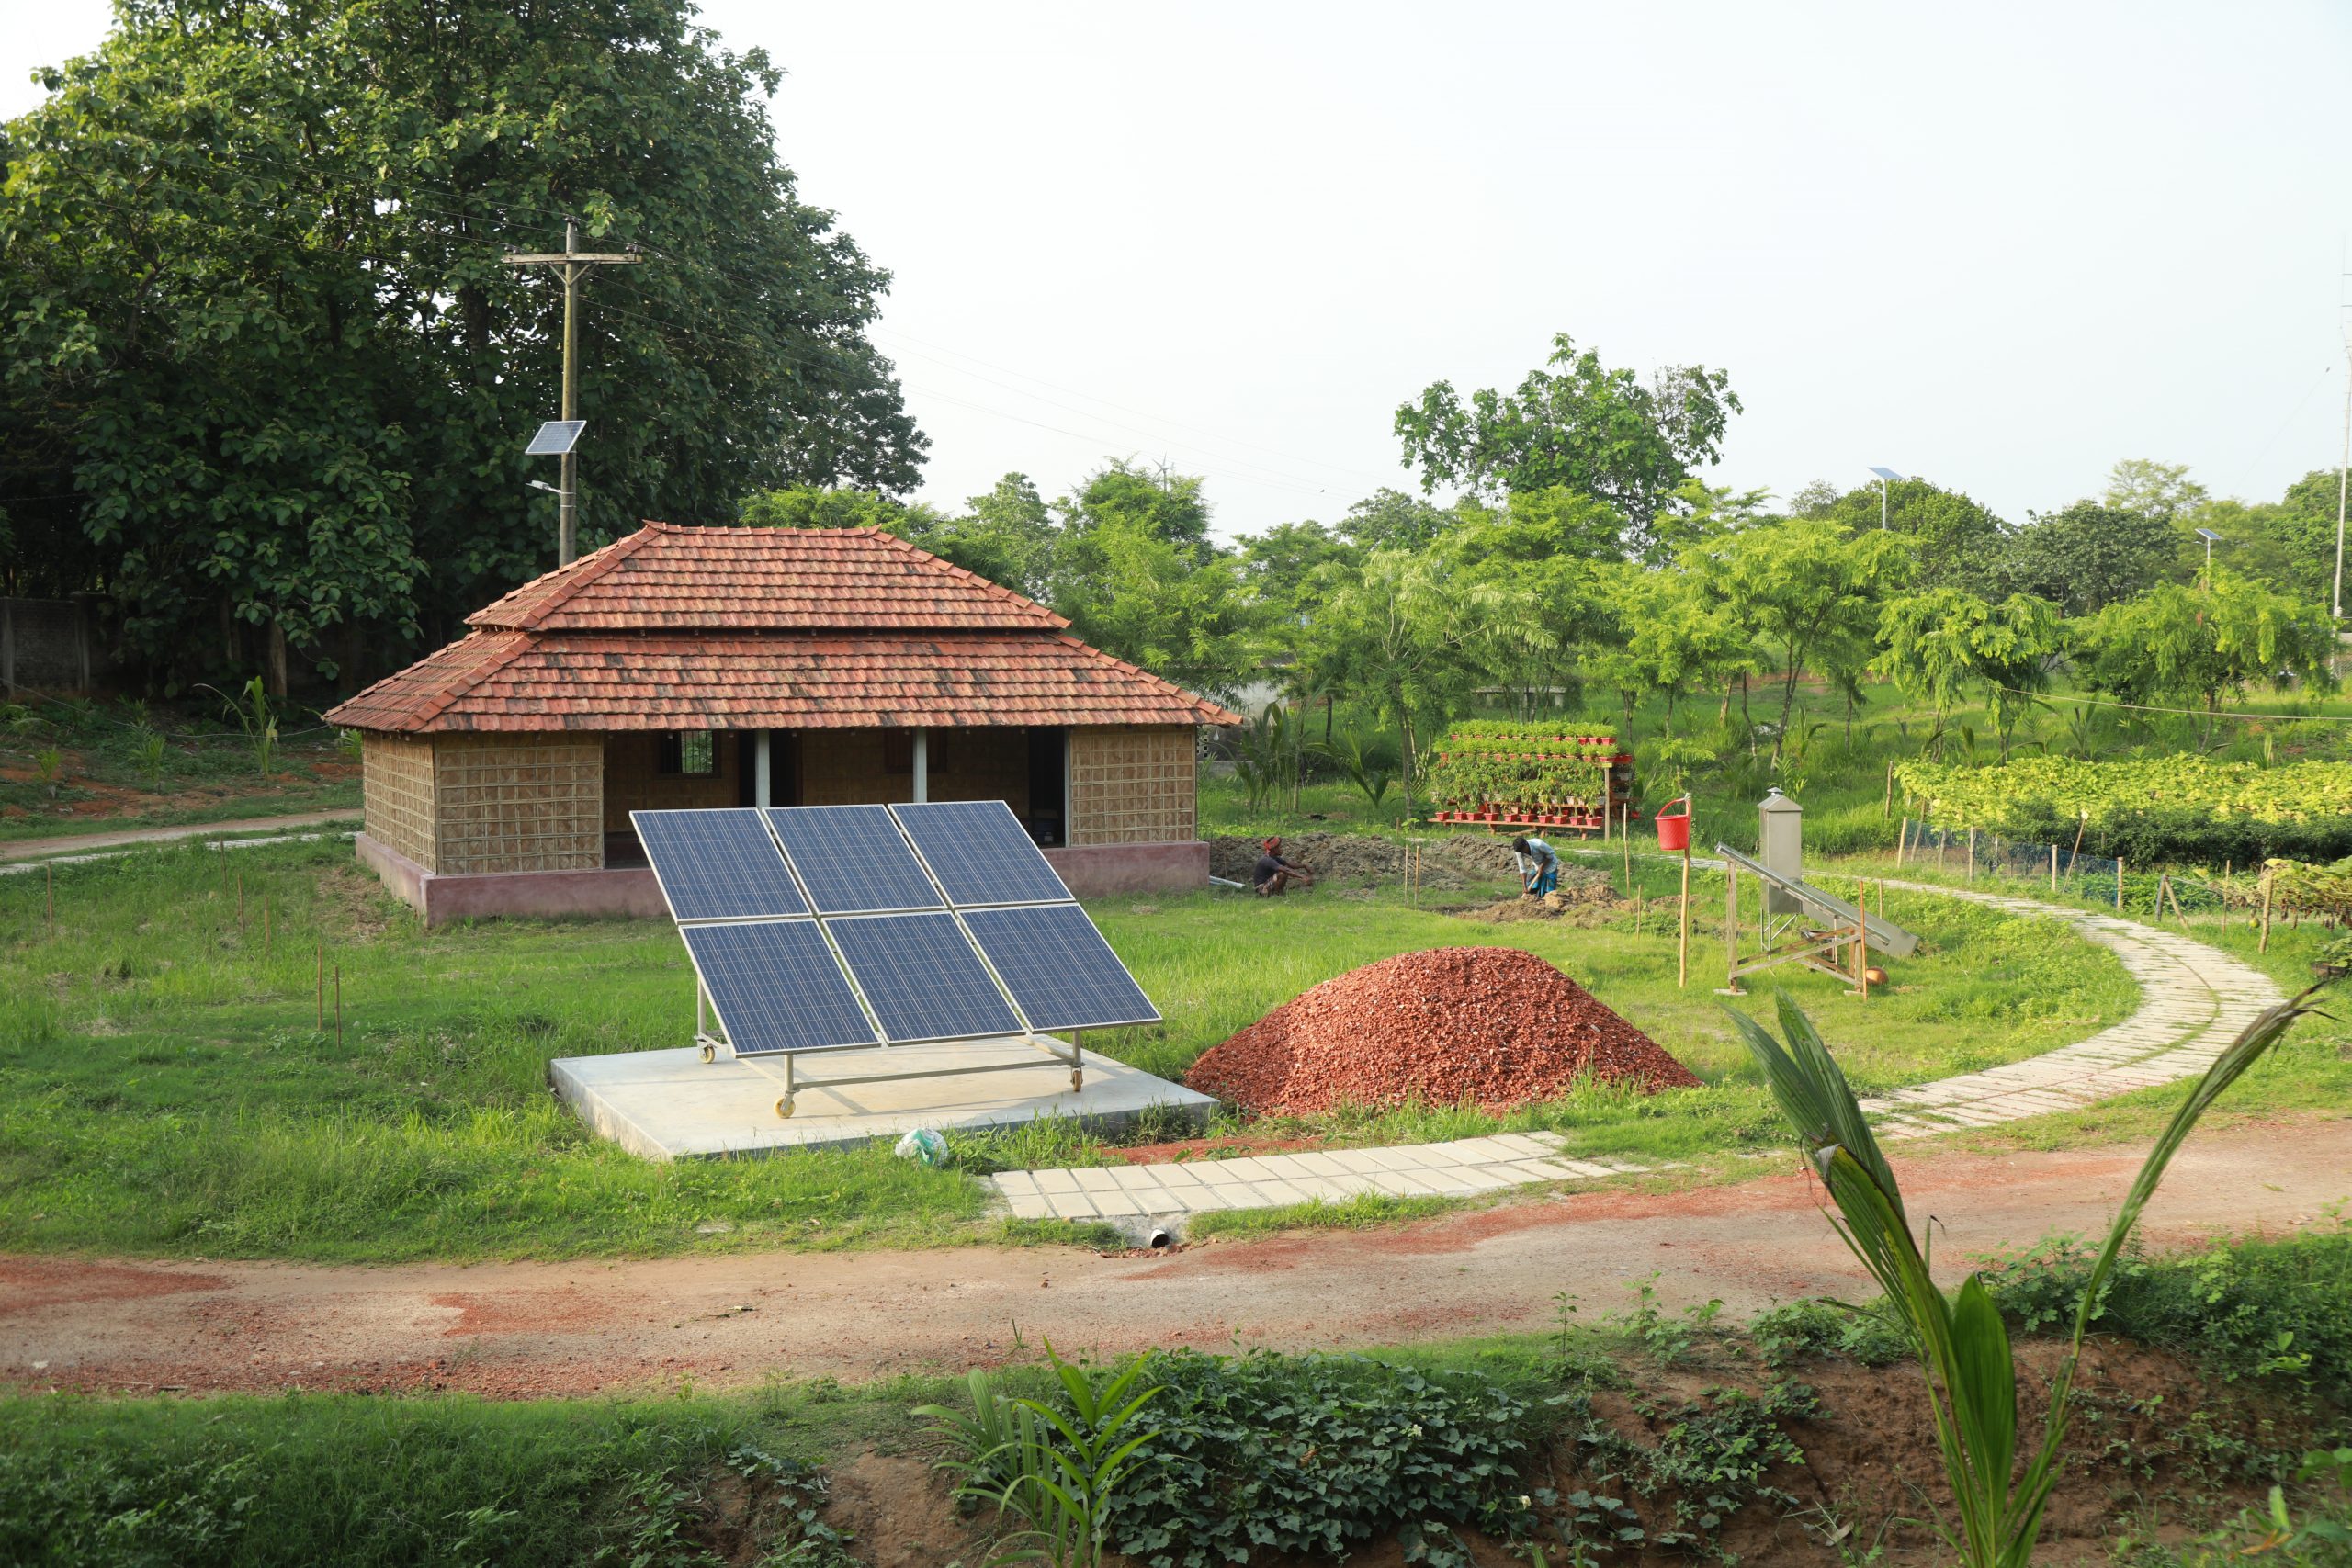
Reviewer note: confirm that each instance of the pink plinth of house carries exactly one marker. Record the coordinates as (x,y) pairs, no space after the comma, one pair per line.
(1092,870)
(627,894)
(1095,871)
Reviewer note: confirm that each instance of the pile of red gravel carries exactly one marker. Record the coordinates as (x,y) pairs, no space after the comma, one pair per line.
(1491,1025)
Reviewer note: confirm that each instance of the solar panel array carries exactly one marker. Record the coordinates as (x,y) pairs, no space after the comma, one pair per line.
(821,927)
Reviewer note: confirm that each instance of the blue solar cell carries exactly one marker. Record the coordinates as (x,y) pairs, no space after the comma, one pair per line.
(716,866)
(980,853)
(853,858)
(923,977)
(777,987)
(1058,967)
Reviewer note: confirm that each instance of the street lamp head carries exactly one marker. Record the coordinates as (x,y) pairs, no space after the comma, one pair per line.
(542,484)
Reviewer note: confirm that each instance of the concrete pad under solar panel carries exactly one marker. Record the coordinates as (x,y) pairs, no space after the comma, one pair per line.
(671,1105)
(852,859)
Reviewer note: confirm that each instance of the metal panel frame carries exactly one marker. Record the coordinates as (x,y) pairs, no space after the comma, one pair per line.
(713,1040)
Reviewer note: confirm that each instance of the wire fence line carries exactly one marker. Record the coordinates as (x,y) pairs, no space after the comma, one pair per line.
(1974,854)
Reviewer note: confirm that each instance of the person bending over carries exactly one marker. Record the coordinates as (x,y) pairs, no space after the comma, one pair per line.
(1539,866)
(1274,874)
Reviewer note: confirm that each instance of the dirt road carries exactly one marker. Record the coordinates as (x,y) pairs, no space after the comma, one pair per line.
(562,1329)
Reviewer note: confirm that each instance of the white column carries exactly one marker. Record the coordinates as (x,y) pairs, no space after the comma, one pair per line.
(922,765)
(763,784)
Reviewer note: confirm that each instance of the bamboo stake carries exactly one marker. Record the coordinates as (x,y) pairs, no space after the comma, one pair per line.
(1971,854)
(2054,868)
(1625,841)
(1682,949)
(1902,835)
(2076,853)
(2118,885)
(1862,941)
(2264,946)
(2174,893)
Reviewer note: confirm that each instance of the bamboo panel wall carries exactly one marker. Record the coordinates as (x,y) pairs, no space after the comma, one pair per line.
(507,802)
(1131,784)
(634,780)
(396,794)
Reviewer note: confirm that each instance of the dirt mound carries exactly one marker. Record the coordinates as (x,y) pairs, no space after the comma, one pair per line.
(1492,1025)
(1449,861)
(1583,898)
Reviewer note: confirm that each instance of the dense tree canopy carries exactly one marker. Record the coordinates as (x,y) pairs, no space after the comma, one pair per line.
(1573,423)
(268,381)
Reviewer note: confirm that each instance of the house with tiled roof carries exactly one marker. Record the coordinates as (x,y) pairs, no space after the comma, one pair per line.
(716,667)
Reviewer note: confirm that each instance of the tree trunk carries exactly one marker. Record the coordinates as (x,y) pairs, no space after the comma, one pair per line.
(1787,701)
(1405,724)
(277,674)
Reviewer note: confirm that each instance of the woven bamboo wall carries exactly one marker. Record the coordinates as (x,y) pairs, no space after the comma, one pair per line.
(1131,784)
(396,794)
(508,803)
(843,767)
(634,780)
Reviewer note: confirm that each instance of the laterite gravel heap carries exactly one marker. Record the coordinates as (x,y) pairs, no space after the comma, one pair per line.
(1492,1025)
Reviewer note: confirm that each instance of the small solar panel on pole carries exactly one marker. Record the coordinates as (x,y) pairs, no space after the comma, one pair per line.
(575,265)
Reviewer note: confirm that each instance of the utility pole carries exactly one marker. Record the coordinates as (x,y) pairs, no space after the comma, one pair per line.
(2343,470)
(576,264)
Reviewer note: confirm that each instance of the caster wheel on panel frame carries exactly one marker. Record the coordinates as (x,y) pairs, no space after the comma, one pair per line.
(784,1106)
(710,1053)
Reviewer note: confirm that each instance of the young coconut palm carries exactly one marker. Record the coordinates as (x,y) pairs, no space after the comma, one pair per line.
(1962,1345)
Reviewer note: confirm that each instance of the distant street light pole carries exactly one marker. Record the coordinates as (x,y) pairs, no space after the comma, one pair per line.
(576,264)
(2210,538)
(1885,477)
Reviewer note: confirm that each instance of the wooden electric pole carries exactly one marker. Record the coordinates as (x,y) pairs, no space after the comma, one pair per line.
(576,264)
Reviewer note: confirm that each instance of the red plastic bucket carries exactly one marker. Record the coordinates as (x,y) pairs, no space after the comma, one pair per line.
(1674,832)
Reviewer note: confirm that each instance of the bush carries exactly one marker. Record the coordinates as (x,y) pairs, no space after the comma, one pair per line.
(1312,1456)
(1821,1329)
(2276,1309)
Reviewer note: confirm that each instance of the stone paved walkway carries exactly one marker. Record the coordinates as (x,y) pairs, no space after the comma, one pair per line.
(2193,999)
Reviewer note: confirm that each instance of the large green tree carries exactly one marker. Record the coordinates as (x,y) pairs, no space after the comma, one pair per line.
(2196,643)
(1957,541)
(1941,644)
(266,372)
(1573,422)
(1811,592)
(2090,555)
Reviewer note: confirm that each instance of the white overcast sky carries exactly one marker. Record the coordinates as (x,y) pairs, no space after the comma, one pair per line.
(1997,245)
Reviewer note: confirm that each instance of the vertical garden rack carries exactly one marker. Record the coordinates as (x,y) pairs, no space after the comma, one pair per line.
(1524,783)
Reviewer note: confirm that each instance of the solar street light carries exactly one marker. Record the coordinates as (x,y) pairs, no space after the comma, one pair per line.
(1886,477)
(551,490)
(2210,538)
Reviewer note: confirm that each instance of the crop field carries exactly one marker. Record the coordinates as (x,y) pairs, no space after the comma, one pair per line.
(167,1087)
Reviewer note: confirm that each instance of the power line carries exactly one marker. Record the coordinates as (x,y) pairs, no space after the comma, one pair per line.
(2188,713)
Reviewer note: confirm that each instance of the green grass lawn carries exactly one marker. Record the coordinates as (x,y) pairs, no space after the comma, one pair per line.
(166,1087)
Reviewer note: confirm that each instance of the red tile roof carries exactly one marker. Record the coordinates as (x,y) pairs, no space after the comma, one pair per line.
(517,680)
(665,577)
(678,629)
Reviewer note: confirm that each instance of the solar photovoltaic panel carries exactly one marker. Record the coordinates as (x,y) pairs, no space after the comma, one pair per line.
(923,977)
(853,858)
(980,853)
(777,987)
(1058,967)
(717,865)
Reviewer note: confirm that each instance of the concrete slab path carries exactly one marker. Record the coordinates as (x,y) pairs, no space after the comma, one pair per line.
(2193,999)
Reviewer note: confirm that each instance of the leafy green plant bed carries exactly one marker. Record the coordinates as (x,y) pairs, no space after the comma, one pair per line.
(2176,808)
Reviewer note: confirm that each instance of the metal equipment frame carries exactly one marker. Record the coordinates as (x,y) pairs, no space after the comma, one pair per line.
(1818,946)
